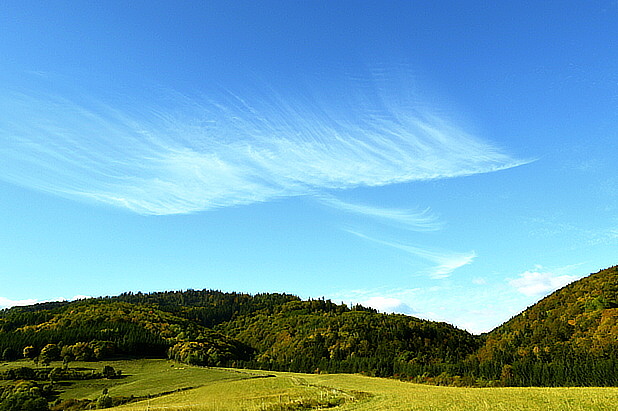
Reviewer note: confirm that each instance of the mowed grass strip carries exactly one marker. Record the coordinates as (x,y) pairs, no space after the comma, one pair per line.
(274,393)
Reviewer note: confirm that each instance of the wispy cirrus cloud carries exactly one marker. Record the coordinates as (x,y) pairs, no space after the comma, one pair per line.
(423,220)
(182,155)
(445,262)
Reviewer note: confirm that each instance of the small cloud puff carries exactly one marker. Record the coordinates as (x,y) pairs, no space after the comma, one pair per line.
(538,282)
(7,302)
(389,305)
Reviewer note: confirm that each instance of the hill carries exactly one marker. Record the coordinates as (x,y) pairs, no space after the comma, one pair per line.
(303,336)
(568,338)
(266,331)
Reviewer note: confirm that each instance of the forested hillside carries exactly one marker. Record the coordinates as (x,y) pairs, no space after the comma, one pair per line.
(308,335)
(103,328)
(270,331)
(568,338)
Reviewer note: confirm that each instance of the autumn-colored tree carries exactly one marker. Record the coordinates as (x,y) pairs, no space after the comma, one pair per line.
(30,352)
(49,353)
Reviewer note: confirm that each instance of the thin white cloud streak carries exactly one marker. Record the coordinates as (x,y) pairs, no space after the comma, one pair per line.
(414,220)
(193,155)
(8,303)
(446,261)
(472,313)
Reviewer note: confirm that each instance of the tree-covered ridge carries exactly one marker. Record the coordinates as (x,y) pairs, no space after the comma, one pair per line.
(303,336)
(208,307)
(102,312)
(568,338)
(134,329)
(268,330)
(581,318)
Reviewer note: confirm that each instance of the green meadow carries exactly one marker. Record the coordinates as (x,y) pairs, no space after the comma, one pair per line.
(199,388)
(167,385)
(288,391)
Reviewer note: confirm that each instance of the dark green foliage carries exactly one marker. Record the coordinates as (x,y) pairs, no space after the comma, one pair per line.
(104,401)
(48,373)
(208,307)
(105,327)
(72,405)
(21,373)
(24,396)
(303,336)
(109,372)
(30,352)
(210,349)
(9,354)
(24,401)
(49,353)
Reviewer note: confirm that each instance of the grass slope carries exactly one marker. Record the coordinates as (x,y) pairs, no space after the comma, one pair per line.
(147,377)
(395,395)
(150,377)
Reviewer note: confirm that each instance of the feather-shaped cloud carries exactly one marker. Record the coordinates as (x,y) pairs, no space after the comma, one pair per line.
(183,155)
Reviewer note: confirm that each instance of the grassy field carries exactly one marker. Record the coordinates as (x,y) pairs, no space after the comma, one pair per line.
(353,392)
(227,389)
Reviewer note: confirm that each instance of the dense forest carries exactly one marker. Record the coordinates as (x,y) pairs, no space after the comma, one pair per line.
(568,338)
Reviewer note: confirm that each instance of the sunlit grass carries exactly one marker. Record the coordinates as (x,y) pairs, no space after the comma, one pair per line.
(287,391)
(275,393)
(139,378)
(396,395)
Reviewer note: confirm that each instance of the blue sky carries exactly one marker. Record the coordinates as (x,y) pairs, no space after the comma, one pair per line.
(449,160)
